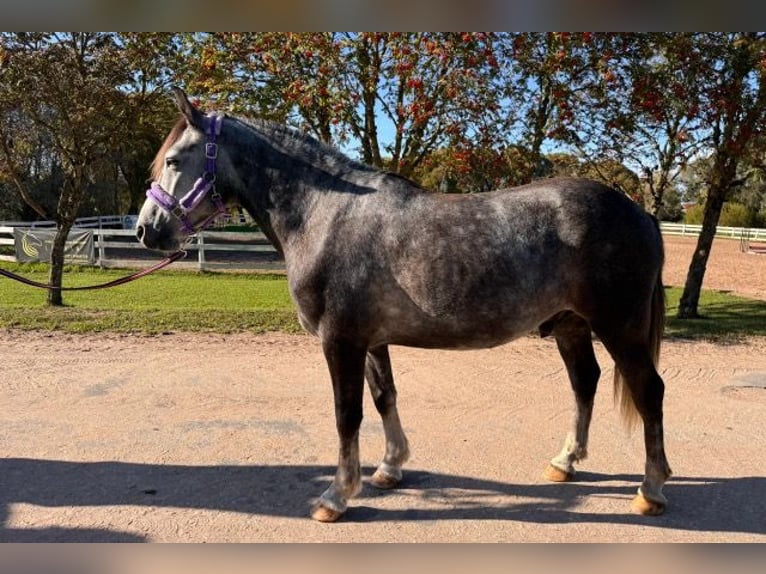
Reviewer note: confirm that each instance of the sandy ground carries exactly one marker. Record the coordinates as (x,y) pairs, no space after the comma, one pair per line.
(728,269)
(216,438)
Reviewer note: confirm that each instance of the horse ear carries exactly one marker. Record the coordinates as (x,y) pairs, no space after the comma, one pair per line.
(194,117)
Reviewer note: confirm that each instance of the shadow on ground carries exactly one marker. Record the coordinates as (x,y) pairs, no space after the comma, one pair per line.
(696,504)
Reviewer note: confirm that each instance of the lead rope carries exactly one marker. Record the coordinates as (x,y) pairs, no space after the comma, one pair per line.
(114,283)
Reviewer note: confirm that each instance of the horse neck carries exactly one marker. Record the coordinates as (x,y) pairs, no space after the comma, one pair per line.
(284,176)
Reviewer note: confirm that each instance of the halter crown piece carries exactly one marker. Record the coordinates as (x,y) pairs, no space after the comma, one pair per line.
(204,185)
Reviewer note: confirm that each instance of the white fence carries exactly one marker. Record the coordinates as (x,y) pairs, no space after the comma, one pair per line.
(753,233)
(123,221)
(119,247)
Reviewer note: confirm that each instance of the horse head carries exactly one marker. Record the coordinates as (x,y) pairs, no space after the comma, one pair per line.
(183,197)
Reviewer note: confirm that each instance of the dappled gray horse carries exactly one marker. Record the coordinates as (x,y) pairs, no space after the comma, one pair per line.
(373,260)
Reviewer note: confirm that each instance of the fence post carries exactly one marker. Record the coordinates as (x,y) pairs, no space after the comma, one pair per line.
(201,250)
(101,248)
(744,240)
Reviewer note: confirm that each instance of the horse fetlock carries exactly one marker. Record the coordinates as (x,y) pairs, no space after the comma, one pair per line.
(563,462)
(349,489)
(658,472)
(397,454)
(580,453)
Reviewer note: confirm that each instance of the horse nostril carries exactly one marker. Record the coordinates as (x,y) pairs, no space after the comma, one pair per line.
(140,232)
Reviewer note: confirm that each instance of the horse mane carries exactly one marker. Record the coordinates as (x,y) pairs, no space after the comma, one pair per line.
(319,152)
(172,137)
(315,150)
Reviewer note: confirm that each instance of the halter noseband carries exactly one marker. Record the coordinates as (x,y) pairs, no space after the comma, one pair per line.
(205,184)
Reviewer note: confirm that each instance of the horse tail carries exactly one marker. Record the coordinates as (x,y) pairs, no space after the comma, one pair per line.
(622,394)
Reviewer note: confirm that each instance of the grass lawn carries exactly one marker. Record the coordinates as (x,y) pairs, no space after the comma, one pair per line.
(724,317)
(165,301)
(228,302)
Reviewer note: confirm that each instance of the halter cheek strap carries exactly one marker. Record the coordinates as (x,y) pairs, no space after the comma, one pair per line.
(182,208)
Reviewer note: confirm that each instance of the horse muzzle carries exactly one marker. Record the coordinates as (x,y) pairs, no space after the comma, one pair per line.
(158,239)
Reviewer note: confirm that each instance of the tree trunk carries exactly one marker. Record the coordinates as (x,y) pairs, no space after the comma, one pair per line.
(688,306)
(57,265)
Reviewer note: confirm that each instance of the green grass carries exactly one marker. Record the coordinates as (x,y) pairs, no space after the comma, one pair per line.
(724,317)
(227,302)
(166,301)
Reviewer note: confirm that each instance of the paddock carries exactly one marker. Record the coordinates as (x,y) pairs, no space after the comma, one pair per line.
(176,438)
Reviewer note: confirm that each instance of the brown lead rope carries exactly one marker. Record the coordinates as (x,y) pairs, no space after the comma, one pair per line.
(121,281)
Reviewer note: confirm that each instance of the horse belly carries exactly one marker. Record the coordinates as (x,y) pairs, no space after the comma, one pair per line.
(468,327)
(449,337)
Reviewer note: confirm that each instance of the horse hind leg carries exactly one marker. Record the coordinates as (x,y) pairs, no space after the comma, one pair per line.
(573,338)
(380,380)
(641,390)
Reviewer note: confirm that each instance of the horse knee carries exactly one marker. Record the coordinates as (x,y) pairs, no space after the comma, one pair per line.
(348,421)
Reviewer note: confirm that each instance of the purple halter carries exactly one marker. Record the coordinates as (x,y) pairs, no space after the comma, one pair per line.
(205,184)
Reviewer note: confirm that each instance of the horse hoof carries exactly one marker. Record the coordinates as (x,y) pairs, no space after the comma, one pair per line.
(323,514)
(383,480)
(642,505)
(555,474)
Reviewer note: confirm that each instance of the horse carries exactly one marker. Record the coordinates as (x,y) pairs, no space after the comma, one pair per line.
(374,260)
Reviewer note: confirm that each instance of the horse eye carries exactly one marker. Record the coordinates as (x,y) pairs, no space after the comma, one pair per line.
(171,162)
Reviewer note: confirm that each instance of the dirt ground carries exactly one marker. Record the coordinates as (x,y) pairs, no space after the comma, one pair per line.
(728,269)
(214,438)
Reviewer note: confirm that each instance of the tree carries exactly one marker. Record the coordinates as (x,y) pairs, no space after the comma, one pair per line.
(640,107)
(148,110)
(607,171)
(429,89)
(668,98)
(286,77)
(543,75)
(469,167)
(734,99)
(63,87)
(30,168)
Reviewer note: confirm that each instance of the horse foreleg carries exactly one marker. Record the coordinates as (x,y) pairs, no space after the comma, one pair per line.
(576,348)
(381,382)
(346,364)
